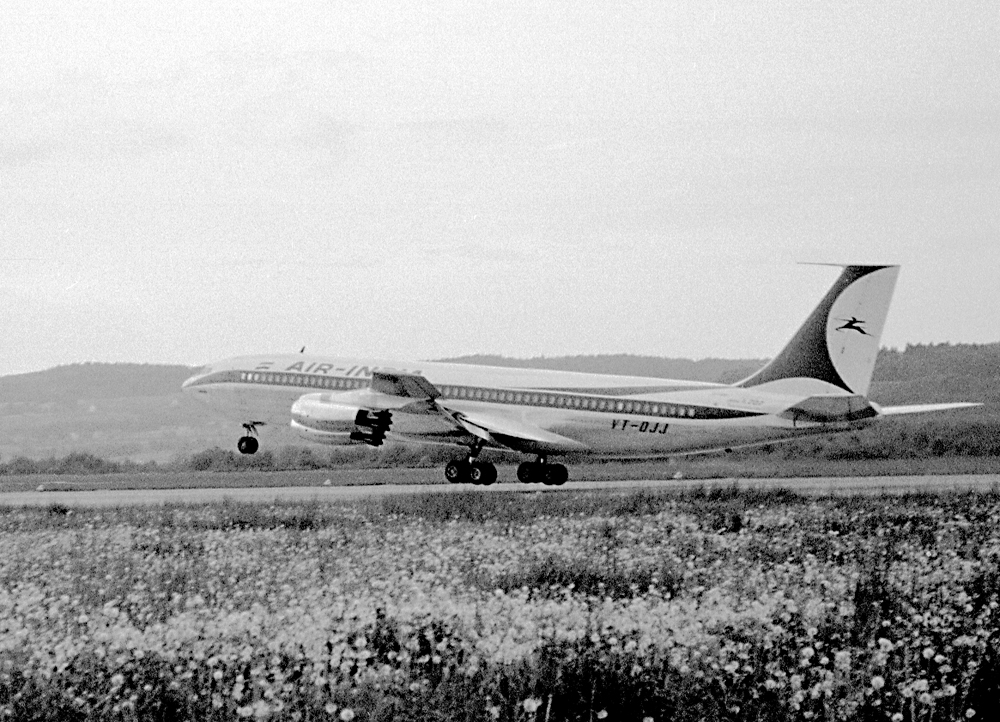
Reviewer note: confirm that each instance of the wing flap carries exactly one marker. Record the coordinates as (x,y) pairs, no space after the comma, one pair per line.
(515,433)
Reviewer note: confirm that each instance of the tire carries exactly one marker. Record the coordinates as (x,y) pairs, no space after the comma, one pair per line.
(556,475)
(526,473)
(483,473)
(458,472)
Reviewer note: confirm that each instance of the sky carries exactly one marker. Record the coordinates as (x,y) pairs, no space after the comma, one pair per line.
(185,181)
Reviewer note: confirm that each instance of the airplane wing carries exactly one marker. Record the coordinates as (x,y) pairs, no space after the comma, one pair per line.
(513,433)
(494,427)
(404,385)
(923,408)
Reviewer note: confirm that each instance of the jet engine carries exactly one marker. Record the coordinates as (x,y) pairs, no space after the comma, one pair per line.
(328,420)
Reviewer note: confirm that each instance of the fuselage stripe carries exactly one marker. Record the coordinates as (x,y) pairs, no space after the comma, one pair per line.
(306,382)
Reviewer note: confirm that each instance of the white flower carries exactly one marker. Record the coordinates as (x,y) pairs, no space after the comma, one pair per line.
(602,714)
(346,714)
(531,705)
(878,682)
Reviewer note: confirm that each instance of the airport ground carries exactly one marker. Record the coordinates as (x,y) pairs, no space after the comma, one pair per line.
(343,485)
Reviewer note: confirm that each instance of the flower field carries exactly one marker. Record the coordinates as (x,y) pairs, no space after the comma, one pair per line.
(731,604)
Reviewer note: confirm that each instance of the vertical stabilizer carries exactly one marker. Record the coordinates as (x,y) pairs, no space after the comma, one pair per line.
(835,349)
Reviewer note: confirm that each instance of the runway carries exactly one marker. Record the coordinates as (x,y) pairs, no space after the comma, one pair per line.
(815,486)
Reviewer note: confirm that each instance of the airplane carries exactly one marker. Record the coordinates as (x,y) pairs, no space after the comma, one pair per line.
(818,383)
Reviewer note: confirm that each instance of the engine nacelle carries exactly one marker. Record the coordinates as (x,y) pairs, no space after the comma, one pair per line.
(328,420)
(325,437)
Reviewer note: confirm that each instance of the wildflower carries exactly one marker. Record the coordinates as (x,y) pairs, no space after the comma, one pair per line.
(807,652)
(898,717)
(346,714)
(602,714)
(878,682)
(928,652)
(970,713)
(531,705)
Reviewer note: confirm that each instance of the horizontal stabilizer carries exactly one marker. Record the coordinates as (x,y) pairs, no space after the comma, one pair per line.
(924,408)
(829,409)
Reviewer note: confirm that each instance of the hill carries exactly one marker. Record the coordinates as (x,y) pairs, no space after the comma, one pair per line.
(138,412)
(721,370)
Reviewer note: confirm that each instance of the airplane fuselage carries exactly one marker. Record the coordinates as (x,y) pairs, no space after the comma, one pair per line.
(602,413)
(817,383)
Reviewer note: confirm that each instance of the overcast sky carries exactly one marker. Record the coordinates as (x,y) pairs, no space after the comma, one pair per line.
(186,181)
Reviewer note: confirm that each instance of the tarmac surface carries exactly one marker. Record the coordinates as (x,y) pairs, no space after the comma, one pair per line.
(819,486)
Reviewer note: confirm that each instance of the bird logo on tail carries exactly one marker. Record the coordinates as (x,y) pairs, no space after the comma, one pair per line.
(852,324)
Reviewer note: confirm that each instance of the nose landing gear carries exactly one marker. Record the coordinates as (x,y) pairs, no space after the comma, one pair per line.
(248,444)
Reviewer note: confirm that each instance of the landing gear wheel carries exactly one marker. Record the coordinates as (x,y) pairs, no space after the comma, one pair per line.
(247,445)
(533,472)
(526,473)
(482,473)
(458,471)
(555,474)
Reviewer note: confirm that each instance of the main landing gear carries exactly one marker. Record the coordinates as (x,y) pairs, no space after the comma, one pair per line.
(462,471)
(535,472)
(471,471)
(483,473)
(248,443)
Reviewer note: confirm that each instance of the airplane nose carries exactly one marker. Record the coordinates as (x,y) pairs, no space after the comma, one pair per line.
(193,380)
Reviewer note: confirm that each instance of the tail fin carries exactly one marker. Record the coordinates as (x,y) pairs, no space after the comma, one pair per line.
(835,349)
